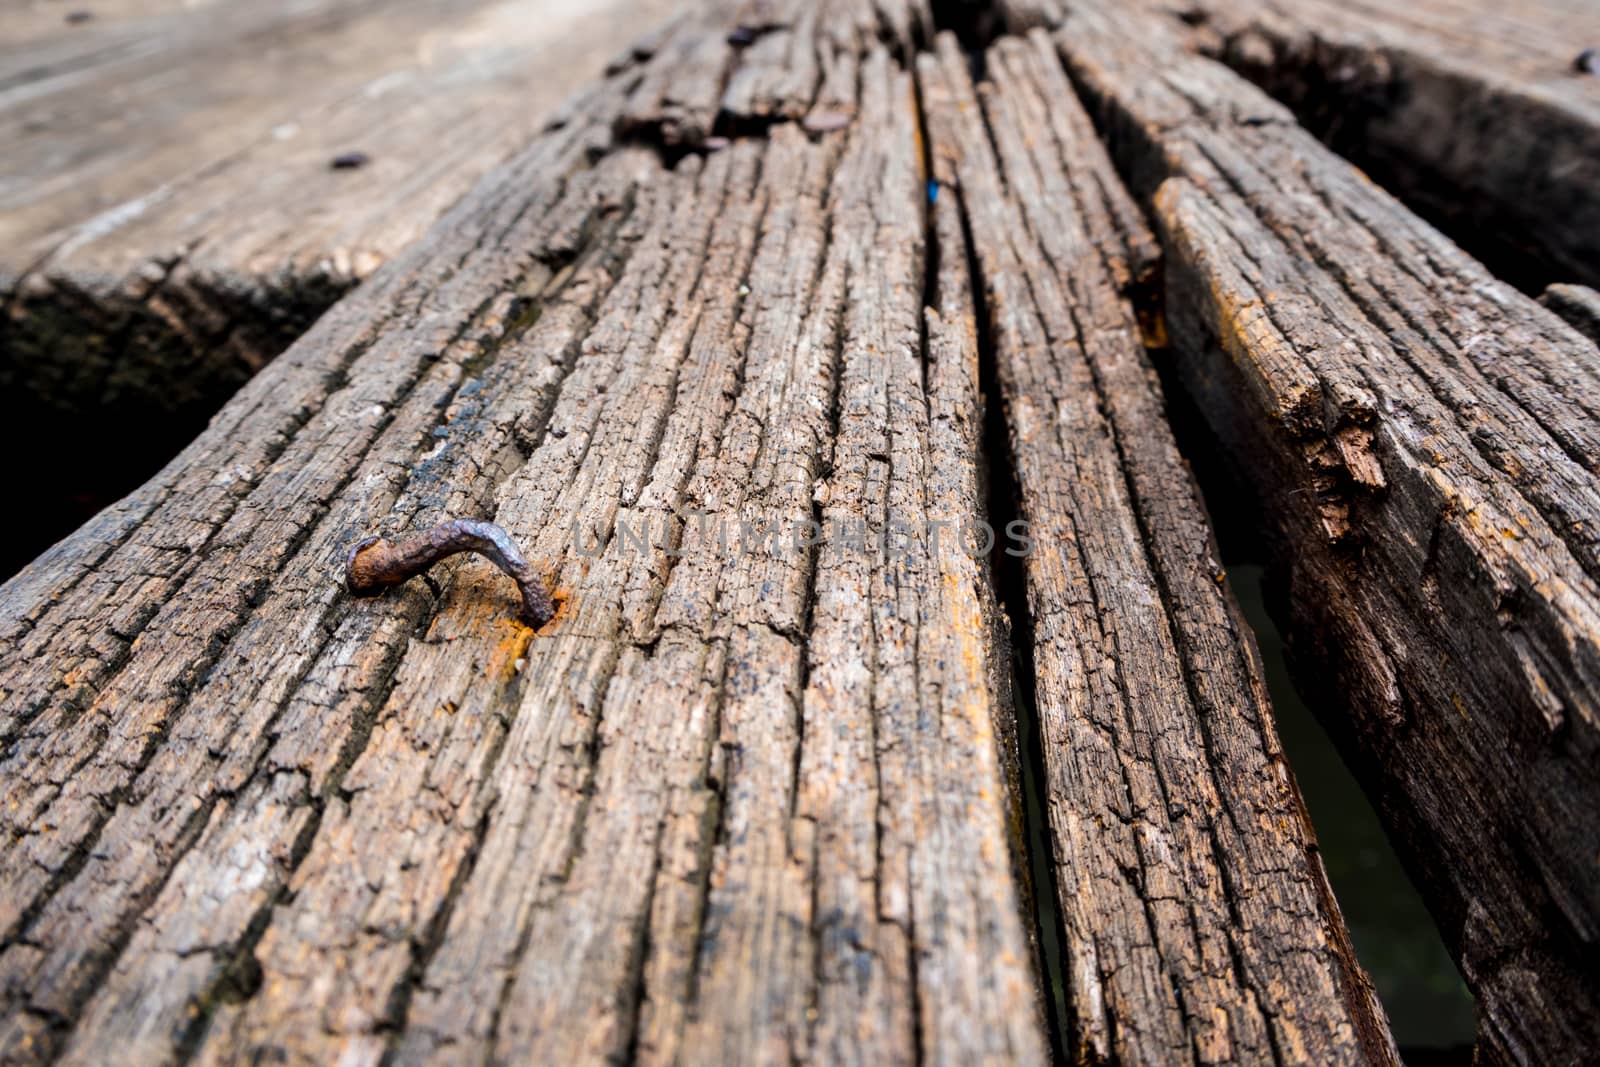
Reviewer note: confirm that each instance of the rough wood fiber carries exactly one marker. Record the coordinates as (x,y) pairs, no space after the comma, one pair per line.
(1472,110)
(744,802)
(1425,445)
(741,801)
(1199,926)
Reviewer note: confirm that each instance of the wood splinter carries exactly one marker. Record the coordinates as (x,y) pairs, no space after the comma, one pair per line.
(376,563)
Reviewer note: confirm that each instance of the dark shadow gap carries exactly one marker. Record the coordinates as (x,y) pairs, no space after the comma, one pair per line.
(1011,591)
(103,394)
(975,24)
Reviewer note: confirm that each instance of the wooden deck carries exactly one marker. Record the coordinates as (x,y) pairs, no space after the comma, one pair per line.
(817,352)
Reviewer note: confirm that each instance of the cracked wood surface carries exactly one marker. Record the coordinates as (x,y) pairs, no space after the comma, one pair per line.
(744,801)
(750,805)
(1424,442)
(1199,926)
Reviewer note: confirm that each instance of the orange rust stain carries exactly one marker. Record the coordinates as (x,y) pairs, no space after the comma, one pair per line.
(508,649)
(560,599)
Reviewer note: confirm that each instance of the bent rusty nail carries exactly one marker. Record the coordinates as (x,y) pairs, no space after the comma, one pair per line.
(376,563)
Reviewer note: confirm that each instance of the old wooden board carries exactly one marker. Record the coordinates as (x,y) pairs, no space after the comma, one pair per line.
(1482,114)
(750,796)
(733,802)
(1424,442)
(170,216)
(1198,924)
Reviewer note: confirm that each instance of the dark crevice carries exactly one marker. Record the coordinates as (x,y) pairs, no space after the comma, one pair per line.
(998,474)
(975,23)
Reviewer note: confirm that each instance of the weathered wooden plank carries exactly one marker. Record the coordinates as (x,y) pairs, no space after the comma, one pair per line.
(1199,924)
(1424,441)
(1472,110)
(165,234)
(729,801)
(169,216)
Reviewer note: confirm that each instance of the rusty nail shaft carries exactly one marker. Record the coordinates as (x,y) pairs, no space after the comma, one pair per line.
(376,563)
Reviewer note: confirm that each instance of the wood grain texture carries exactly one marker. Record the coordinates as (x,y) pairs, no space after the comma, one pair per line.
(748,802)
(1199,926)
(1424,441)
(744,799)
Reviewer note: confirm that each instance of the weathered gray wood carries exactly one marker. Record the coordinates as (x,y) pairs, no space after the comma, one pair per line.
(1199,926)
(1471,109)
(726,804)
(169,219)
(1425,442)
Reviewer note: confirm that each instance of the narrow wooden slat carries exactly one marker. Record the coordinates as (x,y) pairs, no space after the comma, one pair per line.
(1199,926)
(1425,444)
